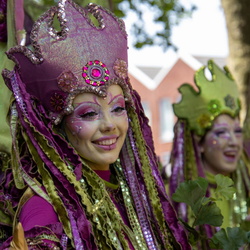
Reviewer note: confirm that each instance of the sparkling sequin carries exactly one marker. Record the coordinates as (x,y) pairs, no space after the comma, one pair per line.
(229,102)
(57,101)
(133,219)
(120,68)
(67,81)
(204,121)
(214,107)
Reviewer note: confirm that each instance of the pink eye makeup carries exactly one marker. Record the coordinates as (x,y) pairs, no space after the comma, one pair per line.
(221,133)
(87,111)
(118,107)
(96,108)
(238,131)
(225,132)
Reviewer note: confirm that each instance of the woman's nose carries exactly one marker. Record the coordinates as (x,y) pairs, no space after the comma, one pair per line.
(234,139)
(107,124)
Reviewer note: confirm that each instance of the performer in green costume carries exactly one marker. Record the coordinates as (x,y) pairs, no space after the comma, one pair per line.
(209,141)
(83,172)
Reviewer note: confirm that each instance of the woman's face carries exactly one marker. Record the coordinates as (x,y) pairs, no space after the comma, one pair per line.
(98,126)
(222,145)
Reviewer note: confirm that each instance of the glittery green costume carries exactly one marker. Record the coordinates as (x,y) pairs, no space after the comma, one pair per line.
(196,113)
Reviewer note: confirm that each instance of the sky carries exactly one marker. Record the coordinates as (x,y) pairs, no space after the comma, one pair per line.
(204,34)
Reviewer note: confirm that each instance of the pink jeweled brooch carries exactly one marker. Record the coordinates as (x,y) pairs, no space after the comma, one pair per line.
(95,73)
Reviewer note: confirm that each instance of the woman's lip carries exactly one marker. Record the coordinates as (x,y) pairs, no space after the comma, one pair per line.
(106,147)
(230,157)
(106,138)
(231,152)
(106,142)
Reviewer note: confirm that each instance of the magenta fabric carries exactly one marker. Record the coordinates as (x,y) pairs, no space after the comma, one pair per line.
(104,174)
(37,212)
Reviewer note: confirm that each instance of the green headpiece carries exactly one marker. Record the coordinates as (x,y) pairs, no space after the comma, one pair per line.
(215,97)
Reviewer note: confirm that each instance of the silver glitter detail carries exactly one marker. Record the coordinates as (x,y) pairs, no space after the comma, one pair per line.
(137,201)
(64,240)
(18,95)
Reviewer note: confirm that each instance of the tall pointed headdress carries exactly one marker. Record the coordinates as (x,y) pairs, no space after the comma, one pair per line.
(81,57)
(215,97)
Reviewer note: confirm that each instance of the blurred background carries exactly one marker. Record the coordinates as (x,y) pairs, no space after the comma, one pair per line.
(157,72)
(168,41)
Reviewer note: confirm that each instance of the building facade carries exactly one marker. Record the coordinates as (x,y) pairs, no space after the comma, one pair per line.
(158,88)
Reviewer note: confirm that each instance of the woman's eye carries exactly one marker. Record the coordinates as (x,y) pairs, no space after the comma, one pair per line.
(238,131)
(88,114)
(118,109)
(220,133)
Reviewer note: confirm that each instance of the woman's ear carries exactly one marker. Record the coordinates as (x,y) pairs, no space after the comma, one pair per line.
(199,142)
(201,147)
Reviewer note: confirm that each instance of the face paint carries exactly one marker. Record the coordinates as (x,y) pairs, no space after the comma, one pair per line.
(97,128)
(222,145)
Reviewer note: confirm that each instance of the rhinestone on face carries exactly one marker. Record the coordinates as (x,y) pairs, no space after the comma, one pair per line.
(95,73)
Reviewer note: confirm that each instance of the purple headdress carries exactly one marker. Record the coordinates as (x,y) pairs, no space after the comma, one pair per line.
(79,58)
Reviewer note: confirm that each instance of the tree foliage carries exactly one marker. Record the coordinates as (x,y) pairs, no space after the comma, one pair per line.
(238,20)
(165,13)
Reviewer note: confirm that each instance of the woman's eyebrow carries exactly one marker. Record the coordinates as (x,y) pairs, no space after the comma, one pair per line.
(116,97)
(221,125)
(87,102)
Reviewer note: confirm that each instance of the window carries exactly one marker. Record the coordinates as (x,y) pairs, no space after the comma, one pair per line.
(166,120)
(147,111)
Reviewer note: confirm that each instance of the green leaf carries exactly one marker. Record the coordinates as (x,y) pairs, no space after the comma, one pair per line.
(210,214)
(232,238)
(248,237)
(193,235)
(224,186)
(245,225)
(191,191)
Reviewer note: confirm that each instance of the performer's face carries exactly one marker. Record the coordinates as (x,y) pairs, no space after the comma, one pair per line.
(98,126)
(222,145)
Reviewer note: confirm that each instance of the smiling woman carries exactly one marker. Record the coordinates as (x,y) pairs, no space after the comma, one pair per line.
(97,128)
(224,143)
(209,141)
(83,173)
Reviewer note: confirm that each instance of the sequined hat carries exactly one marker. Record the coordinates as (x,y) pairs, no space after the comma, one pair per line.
(81,57)
(215,97)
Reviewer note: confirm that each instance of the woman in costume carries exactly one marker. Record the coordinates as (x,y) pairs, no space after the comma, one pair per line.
(209,141)
(83,173)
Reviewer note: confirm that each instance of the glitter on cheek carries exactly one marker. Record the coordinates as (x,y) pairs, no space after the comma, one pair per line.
(77,130)
(75,126)
(213,141)
(71,123)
